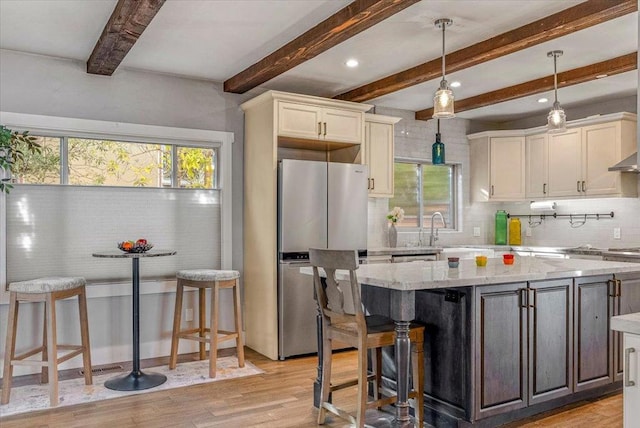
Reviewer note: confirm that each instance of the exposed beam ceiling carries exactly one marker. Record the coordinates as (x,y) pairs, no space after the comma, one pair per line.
(590,72)
(570,20)
(351,20)
(127,22)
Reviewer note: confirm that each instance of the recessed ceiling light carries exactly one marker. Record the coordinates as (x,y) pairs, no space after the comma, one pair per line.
(352,63)
(543,100)
(455,84)
(600,76)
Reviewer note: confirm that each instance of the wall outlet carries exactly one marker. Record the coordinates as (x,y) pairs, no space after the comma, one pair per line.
(188,315)
(527,231)
(476,231)
(616,233)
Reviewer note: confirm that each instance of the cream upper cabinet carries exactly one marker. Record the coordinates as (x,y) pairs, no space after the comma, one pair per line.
(570,164)
(536,168)
(497,166)
(378,154)
(565,164)
(313,122)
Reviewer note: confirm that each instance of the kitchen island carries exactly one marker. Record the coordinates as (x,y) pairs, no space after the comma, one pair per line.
(503,342)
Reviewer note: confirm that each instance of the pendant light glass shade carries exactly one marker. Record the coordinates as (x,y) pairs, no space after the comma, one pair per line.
(556,120)
(437,149)
(443,98)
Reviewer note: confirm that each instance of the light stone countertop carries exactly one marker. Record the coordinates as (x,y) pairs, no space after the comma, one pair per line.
(422,275)
(629,323)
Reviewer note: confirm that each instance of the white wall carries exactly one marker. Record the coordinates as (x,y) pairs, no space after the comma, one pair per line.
(56,87)
(413,139)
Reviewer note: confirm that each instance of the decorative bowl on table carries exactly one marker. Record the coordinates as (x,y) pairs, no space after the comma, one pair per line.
(139,246)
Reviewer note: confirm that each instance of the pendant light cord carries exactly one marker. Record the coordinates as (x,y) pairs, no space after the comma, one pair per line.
(555,79)
(443,56)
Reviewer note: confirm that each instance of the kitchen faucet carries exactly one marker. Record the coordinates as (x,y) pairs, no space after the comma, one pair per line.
(433,238)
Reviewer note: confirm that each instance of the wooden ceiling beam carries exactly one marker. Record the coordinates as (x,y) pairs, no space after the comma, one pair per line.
(127,22)
(344,24)
(565,22)
(587,73)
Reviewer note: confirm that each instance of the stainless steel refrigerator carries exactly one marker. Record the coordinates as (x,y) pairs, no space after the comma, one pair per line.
(320,205)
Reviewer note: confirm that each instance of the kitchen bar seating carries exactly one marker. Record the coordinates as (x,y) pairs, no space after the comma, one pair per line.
(360,331)
(215,280)
(47,290)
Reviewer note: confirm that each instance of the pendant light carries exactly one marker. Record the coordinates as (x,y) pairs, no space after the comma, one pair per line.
(556,121)
(443,99)
(437,149)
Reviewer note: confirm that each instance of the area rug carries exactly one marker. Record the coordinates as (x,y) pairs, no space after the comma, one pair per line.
(30,398)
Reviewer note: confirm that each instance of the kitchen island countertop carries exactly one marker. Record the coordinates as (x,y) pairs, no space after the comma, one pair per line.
(422,275)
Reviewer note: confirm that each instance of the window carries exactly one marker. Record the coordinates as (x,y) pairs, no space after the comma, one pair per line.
(104,162)
(422,189)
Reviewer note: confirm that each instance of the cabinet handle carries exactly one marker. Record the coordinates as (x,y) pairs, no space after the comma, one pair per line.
(523,297)
(544,189)
(618,288)
(612,287)
(627,366)
(368,183)
(535,298)
(492,190)
(325,129)
(584,186)
(319,128)
(373,184)
(578,185)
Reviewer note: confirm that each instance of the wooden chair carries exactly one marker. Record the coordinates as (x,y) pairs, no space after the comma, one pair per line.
(47,290)
(360,331)
(215,280)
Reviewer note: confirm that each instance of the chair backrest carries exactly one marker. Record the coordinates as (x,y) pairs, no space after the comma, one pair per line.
(328,292)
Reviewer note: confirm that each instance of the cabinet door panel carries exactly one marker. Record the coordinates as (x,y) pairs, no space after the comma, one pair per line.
(600,151)
(379,158)
(299,120)
(628,302)
(536,166)
(550,340)
(500,350)
(343,125)
(565,163)
(593,339)
(507,168)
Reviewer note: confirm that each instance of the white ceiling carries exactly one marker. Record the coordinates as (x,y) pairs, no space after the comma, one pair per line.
(215,39)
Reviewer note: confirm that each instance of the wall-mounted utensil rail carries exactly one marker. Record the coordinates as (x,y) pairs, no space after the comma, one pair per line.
(575,220)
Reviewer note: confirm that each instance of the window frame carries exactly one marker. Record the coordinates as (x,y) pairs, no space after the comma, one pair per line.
(454,195)
(60,127)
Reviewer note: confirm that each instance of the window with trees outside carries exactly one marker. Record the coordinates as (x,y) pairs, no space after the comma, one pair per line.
(422,189)
(100,162)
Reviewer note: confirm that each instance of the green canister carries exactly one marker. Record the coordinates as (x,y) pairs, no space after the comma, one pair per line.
(501,227)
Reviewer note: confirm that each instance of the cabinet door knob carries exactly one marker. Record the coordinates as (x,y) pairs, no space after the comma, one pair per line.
(578,185)
(319,128)
(584,186)
(373,183)
(544,189)
(627,366)
(492,190)
(325,129)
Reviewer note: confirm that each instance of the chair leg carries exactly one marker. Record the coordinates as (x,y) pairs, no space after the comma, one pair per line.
(84,335)
(177,317)
(202,317)
(417,360)
(238,318)
(325,382)
(377,362)
(9,348)
(363,392)
(213,333)
(52,348)
(44,376)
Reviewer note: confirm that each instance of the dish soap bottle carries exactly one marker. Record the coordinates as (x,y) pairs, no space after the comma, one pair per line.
(515,229)
(501,227)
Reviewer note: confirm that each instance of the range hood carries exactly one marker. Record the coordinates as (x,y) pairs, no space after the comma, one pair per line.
(629,164)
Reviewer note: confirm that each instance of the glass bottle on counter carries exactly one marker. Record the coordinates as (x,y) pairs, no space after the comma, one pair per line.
(501,227)
(515,231)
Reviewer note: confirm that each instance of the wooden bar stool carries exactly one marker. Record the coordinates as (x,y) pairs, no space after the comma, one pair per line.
(47,290)
(203,279)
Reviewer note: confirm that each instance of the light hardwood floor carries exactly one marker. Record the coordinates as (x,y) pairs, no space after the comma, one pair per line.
(281,397)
